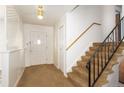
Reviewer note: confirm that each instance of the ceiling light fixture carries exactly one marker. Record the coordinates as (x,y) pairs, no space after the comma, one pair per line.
(40,12)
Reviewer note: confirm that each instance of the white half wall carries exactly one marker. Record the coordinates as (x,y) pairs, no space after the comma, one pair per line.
(16,66)
(50,49)
(12,66)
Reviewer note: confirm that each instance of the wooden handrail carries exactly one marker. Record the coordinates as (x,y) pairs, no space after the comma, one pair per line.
(81,35)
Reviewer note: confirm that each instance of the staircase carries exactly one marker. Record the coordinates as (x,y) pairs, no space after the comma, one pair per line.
(96,65)
(79,74)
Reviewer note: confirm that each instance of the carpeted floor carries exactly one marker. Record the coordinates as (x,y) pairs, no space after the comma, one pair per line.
(43,76)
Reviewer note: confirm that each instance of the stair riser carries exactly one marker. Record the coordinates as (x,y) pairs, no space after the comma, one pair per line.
(82,75)
(77,84)
(81,64)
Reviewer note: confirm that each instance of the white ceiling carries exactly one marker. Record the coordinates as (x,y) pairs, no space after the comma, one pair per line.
(52,13)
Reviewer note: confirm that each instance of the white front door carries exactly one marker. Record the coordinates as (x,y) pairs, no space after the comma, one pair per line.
(61,48)
(38,47)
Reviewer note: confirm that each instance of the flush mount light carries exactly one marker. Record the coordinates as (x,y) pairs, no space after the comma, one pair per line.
(40,12)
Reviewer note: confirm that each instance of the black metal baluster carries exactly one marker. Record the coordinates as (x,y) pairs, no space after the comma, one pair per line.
(117,34)
(115,39)
(109,43)
(113,43)
(94,74)
(98,62)
(89,73)
(111,46)
(102,49)
(105,53)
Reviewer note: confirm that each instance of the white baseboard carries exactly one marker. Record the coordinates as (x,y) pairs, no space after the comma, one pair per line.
(17,81)
(56,66)
(65,74)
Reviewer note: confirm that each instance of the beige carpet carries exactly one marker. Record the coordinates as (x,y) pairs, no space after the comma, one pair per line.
(43,76)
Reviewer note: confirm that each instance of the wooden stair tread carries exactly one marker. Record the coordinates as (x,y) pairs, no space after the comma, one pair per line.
(91,52)
(79,63)
(80,70)
(99,43)
(78,81)
(94,48)
(86,59)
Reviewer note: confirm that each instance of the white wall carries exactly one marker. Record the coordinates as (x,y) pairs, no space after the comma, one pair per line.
(77,22)
(3,36)
(122,10)
(49,29)
(14,29)
(108,19)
